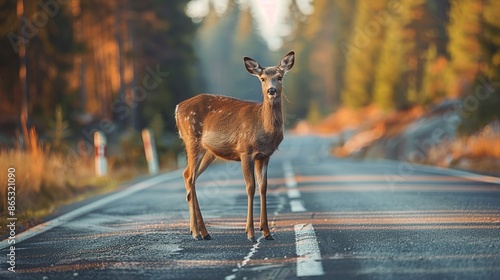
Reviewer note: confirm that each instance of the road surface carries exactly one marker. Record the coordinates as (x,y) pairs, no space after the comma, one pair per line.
(331,218)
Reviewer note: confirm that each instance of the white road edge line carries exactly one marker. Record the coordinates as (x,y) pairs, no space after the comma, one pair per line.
(309,256)
(41,228)
(448,171)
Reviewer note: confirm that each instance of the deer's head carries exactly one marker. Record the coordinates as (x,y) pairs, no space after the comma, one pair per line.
(271,77)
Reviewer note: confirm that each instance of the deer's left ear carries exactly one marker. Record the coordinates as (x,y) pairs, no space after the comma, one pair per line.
(287,61)
(252,66)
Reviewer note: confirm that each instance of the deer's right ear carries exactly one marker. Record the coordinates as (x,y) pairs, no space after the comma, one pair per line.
(252,66)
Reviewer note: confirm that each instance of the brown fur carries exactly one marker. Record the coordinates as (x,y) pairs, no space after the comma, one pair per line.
(217,126)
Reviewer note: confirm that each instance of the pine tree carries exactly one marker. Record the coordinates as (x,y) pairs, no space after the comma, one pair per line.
(485,92)
(433,86)
(320,65)
(399,73)
(362,52)
(391,66)
(464,47)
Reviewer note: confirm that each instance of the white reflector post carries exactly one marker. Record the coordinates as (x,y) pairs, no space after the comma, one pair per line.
(101,163)
(150,150)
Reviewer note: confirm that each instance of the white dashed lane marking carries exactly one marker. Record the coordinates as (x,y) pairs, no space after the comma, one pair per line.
(309,256)
(289,176)
(297,205)
(293,192)
(306,245)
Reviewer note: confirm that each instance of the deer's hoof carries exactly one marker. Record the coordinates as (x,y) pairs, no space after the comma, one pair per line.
(269,237)
(252,239)
(198,237)
(207,237)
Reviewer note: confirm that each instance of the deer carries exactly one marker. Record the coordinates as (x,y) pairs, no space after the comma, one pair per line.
(215,126)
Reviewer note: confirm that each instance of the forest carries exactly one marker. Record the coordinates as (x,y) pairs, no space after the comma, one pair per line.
(70,67)
(391,54)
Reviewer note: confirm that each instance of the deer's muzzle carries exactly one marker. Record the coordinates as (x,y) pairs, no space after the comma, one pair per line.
(272,91)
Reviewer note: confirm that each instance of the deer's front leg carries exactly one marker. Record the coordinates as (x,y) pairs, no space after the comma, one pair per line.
(247,165)
(261,172)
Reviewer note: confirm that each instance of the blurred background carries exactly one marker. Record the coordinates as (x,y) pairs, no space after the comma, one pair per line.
(415,80)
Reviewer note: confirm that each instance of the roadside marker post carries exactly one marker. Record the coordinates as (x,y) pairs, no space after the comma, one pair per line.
(150,150)
(101,163)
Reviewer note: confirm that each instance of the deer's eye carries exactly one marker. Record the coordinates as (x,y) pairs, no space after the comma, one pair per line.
(262,79)
(280,78)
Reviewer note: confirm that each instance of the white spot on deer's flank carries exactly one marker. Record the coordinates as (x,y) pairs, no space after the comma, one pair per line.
(220,111)
(201,124)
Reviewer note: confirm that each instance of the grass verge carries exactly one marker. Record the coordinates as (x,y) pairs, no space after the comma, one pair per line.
(46,180)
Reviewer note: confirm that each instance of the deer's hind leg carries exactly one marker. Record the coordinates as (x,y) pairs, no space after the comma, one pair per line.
(198,161)
(205,162)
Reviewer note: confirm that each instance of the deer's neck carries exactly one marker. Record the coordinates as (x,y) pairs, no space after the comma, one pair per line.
(272,116)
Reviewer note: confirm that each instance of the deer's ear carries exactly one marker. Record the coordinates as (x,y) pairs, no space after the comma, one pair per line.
(252,66)
(287,61)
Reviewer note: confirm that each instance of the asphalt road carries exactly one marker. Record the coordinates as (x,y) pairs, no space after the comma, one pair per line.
(331,218)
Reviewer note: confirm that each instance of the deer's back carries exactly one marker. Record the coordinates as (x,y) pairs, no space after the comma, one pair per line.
(226,126)
(207,112)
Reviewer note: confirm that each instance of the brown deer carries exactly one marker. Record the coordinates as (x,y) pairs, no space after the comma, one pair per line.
(217,126)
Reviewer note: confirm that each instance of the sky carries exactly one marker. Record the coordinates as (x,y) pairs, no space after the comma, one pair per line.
(270,16)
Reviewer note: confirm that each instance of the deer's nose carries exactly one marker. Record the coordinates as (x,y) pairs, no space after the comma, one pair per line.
(272,91)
